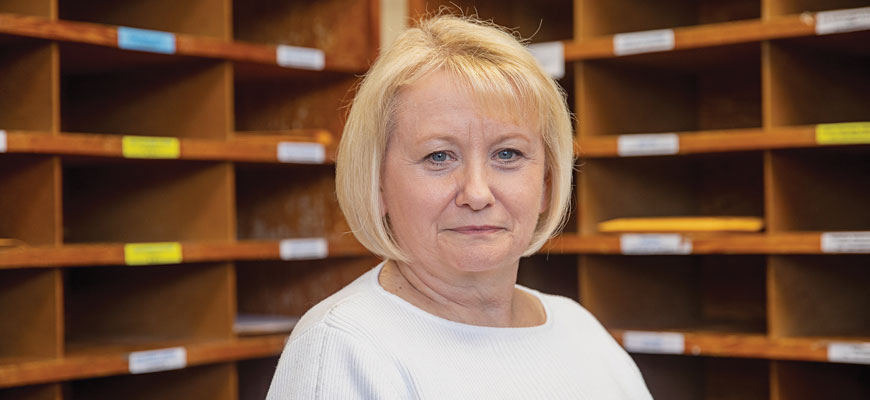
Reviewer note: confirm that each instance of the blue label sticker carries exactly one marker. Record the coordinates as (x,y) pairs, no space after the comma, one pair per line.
(146,40)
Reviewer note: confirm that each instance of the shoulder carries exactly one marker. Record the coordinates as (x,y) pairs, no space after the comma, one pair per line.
(580,325)
(357,298)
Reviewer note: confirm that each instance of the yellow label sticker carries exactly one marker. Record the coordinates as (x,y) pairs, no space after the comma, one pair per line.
(150,147)
(152,253)
(844,133)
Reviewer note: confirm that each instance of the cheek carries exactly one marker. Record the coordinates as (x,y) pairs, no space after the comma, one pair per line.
(413,200)
(523,195)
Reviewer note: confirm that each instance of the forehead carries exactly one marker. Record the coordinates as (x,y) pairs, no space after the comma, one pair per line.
(440,100)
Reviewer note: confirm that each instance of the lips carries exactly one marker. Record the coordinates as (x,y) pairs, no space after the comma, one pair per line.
(477,229)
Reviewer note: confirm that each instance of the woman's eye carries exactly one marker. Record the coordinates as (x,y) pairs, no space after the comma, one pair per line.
(439,156)
(507,154)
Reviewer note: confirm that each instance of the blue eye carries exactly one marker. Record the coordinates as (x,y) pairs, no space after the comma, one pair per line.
(439,156)
(506,154)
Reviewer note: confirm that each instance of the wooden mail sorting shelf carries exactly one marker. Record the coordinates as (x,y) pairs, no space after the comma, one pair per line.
(279,202)
(147,307)
(818,189)
(690,90)
(173,201)
(197,17)
(38,392)
(204,382)
(805,381)
(139,122)
(695,293)
(273,100)
(675,377)
(819,296)
(598,18)
(819,79)
(113,91)
(713,185)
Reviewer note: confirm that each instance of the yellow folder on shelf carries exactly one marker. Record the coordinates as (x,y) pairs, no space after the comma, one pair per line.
(683,224)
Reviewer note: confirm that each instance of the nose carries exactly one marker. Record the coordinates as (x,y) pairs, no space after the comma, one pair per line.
(474,188)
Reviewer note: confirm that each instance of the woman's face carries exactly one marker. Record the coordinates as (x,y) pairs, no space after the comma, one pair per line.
(462,188)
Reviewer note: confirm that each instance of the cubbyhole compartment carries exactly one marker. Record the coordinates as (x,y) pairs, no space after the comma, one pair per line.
(818,79)
(715,88)
(692,186)
(27,83)
(272,99)
(147,201)
(112,91)
(704,378)
(819,189)
(540,21)
(196,17)
(787,7)
(290,288)
(550,273)
(597,17)
(218,382)
(119,309)
(39,8)
(29,200)
(346,30)
(819,296)
(691,293)
(30,304)
(255,376)
(287,201)
(809,381)
(36,392)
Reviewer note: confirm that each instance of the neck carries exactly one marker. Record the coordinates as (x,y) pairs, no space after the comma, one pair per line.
(480,298)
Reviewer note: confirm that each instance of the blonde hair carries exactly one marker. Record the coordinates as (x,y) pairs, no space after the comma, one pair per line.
(497,69)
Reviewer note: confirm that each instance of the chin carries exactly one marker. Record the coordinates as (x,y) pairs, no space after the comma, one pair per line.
(482,260)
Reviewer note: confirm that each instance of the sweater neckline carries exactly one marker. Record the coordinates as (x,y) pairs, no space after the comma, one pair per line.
(548,322)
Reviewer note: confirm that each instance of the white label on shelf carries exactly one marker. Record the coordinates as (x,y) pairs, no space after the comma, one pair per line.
(845,242)
(142,362)
(301,57)
(854,353)
(551,57)
(643,42)
(853,19)
(301,153)
(654,243)
(648,144)
(654,342)
(2,141)
(304,249)
(146,40)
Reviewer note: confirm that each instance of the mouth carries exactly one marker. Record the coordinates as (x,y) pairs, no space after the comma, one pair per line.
(477,229)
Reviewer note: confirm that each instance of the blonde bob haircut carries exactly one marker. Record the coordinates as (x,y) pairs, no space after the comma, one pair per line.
(497,70)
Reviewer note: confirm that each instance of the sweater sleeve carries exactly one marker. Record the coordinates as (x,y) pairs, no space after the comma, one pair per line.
(328,363)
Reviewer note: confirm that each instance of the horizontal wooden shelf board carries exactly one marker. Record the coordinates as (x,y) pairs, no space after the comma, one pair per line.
(189,45)
(712,141)
(72,255)
(751,345)
(243,147)
(710,35)
(702,243)
(101,363)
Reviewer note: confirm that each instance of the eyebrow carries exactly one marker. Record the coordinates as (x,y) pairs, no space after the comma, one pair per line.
(440,136)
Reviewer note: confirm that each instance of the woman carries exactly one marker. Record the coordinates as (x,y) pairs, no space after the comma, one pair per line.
(456,161)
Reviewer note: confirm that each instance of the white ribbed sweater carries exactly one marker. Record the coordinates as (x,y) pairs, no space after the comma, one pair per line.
(366,343)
